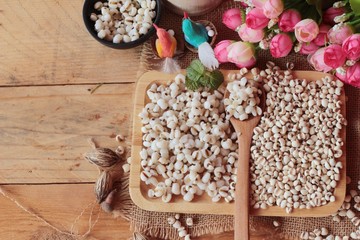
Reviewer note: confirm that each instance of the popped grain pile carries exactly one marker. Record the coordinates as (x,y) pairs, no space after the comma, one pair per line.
(123,20)
(190,149)
(297,142)
(243,100)
(188,141)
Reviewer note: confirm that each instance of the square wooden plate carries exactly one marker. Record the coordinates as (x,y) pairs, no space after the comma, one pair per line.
(203,204)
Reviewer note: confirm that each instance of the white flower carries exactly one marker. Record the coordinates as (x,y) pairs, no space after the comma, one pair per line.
(339,4)
(350,63)
(297,47)
(342,18)
(263,44)
(272,22)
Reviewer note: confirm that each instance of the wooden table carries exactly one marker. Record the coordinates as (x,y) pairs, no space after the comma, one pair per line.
(48,66)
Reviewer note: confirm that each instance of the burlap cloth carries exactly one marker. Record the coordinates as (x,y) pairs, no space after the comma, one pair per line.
(155,224)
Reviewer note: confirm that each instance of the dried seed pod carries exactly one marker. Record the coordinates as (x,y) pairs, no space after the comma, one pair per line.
(107,204)
(103,186)
(104,158)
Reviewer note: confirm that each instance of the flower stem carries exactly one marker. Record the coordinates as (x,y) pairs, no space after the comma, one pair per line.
(350,14)
(355,22)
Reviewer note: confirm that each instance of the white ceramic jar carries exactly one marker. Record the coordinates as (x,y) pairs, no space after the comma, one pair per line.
(192,7)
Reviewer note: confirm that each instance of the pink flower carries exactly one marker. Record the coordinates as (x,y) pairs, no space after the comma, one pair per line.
(232,18)
(306,30)
(353,75)
(258,3)
(256,19)
(288,19)
(242,54)
(334,56)
(280,45)
(308,48)
(351,47)
(331,13)
(250,35)
(321,38)
(317,60)
(338,33)
(273,8)
(221,52)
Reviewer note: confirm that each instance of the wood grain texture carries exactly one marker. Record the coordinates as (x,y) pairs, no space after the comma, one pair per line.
(59,204)
(44,130)
(203,204)
(46,42)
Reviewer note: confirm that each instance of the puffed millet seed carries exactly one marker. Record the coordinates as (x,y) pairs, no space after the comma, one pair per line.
(123,17)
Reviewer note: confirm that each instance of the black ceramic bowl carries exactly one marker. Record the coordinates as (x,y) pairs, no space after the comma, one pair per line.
(88,8)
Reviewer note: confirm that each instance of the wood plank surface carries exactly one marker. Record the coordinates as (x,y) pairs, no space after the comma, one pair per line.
(60,205)
(49,63)
(44,130)
(46,42)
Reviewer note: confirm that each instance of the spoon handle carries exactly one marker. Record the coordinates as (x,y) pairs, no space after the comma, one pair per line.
(241,224)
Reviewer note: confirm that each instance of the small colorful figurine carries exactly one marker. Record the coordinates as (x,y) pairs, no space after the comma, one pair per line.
(166,47)
(196,35)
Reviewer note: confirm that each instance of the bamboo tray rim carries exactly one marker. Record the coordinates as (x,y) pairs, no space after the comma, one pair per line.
(203,204)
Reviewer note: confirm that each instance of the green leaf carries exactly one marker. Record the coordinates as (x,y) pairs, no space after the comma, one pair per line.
(311,2)
(204,80)
(195,70)
(355,6)
(197,76)
(312,12)
(194,74)
(216,79)
(192,85)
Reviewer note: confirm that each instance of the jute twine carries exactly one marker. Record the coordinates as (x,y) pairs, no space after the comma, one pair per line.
(155,224)
(57,232)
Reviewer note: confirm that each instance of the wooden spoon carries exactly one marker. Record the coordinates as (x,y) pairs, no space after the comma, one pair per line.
(244,130)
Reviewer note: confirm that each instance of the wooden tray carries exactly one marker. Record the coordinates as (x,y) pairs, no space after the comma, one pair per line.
(203,204)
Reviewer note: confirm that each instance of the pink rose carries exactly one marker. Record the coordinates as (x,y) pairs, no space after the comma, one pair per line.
(334,56)
(317,61)
(308,48)
(353,75)
(258,3)
(338,33)
(273,8)
(220,51)
(280,45)
(321,38)
(351,47)
(232,18)
(306,30)
(331,13)
(242,54)
(256,19)
(288,19)
(250,35)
